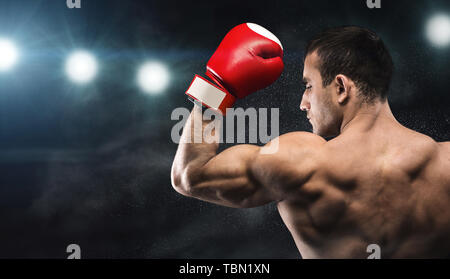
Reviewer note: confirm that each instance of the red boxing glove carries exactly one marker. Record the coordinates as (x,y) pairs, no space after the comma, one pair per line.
(248,59)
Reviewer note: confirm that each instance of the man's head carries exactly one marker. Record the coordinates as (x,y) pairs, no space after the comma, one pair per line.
(344,68)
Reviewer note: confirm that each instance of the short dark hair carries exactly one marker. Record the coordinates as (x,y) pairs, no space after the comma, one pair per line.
(357,53)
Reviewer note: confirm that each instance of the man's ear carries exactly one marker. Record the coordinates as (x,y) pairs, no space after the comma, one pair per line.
(343,88)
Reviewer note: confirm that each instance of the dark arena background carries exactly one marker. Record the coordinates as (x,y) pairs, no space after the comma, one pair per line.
(86,159)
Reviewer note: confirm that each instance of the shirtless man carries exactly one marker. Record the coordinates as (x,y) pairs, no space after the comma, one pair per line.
(375,182)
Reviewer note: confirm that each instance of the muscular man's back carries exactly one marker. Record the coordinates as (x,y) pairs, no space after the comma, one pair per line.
(381,184)
(377,182)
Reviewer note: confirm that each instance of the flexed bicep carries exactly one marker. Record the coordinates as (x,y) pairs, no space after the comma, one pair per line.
(227,179)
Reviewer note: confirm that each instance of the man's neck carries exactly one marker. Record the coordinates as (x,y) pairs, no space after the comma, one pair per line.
(366,116)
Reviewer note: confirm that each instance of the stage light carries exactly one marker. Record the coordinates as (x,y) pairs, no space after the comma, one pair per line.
(81,67)
(153,77)
(438,30)
(8,55)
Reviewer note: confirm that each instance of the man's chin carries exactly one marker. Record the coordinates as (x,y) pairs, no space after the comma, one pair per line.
(324,133)
(316,132)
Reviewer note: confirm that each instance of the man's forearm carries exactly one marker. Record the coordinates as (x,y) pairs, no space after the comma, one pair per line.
(197,146)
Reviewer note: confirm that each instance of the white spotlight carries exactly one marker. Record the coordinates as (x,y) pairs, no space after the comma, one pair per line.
(8,55)
(81,67)
(153,77)
(438,30)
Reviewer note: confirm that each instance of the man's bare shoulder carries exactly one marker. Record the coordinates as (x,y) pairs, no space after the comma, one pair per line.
(420,146)
(297,157)
(445,148)
(444,155)
(292,144)
(304,139)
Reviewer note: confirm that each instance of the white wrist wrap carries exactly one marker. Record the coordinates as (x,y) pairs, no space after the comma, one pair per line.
(210,95)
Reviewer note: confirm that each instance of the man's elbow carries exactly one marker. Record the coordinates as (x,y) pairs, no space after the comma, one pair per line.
(182,180)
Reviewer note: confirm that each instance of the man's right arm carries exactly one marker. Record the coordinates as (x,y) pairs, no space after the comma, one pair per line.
(250,176)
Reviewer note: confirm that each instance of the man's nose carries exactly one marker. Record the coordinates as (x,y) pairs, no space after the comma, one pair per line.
(304,104)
